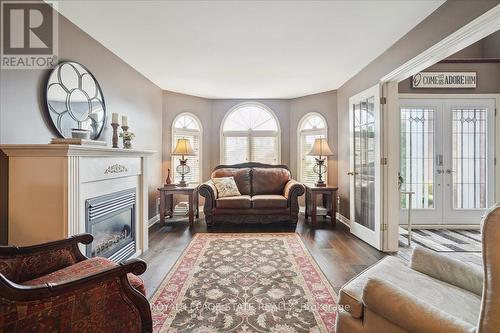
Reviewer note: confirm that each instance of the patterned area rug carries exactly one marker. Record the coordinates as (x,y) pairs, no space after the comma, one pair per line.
(443,240)
(245,283)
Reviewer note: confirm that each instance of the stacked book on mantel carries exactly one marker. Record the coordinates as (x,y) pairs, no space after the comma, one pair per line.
(77,141)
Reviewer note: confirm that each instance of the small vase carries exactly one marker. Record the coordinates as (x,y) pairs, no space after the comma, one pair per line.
(127,144)
(168,180)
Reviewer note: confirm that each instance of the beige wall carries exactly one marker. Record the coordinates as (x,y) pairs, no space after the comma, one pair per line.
(211,112)
(451,16)
(22,113)
(491,46)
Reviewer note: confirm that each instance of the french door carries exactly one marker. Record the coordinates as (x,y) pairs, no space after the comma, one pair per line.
(365,172)
(447,159)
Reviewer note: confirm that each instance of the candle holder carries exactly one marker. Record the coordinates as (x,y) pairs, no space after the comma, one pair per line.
(115,134)
(127,143)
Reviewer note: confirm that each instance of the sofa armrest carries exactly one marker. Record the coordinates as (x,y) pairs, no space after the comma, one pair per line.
(209,192)
(449,270)
(107,295)
(293,189)
(408,312)
(29,262)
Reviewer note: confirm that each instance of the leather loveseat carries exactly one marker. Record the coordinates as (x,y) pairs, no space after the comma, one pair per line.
(432,294)
(268,194)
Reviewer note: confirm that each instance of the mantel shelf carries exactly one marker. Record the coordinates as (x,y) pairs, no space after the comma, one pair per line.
(58,150)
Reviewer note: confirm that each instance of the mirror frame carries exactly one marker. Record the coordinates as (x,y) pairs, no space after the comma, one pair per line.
(46,96)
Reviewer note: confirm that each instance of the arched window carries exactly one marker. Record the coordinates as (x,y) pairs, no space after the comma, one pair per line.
(311,126)
(250,132)
(187,126)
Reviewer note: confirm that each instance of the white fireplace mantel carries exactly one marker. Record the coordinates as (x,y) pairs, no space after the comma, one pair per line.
(49,185)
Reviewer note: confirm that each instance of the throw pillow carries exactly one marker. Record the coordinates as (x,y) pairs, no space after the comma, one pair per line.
(226,187)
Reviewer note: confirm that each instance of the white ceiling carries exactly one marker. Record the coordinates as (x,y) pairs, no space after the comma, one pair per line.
(248,49)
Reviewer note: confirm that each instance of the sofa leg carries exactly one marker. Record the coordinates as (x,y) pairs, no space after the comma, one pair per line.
(209,221)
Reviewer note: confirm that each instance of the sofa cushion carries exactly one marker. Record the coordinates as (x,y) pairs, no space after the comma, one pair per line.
(241,177)
(242,201)
(82,269)
(269,201)
(446,297)
(269,180)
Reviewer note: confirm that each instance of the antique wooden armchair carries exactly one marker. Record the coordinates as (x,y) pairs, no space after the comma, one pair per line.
(53,287)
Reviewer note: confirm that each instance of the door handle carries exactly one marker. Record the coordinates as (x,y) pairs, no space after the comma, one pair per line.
(439,171)
(448,171)
(352,173)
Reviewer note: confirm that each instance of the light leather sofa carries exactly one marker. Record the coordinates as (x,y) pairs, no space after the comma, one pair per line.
(433,294)
(268,194)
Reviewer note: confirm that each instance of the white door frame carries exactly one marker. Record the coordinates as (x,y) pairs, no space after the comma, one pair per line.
(472,32)
(373,237)
(493,150)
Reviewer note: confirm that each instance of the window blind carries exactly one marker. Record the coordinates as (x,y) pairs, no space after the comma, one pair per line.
(263,150)
(307,162)
(236,149)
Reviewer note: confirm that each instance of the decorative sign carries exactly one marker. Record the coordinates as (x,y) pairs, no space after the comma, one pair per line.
(444,80)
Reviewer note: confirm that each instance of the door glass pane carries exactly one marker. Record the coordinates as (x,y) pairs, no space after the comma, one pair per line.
(417,156)
(364,163)
(469,149)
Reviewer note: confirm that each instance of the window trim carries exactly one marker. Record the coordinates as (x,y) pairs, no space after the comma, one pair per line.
(304,132)
(249,133)
(199,132)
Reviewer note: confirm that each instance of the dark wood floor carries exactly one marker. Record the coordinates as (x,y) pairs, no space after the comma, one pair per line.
(340,255)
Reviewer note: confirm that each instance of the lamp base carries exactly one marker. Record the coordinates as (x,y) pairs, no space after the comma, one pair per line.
(320,184)
(182,183)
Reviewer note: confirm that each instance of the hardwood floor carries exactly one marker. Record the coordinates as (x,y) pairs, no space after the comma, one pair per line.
(339,255)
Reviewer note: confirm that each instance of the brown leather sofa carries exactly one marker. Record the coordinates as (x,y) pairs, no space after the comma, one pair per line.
(268,194)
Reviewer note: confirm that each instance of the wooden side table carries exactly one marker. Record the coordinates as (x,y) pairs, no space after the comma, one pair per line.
(329,194)
(167,201)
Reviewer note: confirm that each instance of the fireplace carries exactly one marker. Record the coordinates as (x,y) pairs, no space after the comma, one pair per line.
(111,220)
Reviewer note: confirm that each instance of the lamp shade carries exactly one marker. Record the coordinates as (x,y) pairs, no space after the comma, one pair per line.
(320,148)
(183,147)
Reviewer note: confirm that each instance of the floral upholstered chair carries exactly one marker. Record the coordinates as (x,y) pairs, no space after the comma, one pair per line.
(53,287)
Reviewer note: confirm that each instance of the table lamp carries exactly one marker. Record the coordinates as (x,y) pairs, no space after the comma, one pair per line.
(320,150)
(183,148)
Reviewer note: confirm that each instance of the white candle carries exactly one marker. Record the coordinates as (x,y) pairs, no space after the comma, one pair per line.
(114,118)
(124,121)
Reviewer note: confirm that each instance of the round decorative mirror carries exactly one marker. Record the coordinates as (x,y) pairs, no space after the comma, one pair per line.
(74,100)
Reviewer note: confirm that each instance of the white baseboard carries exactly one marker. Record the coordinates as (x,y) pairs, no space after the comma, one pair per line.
(344,220)
(153,220)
